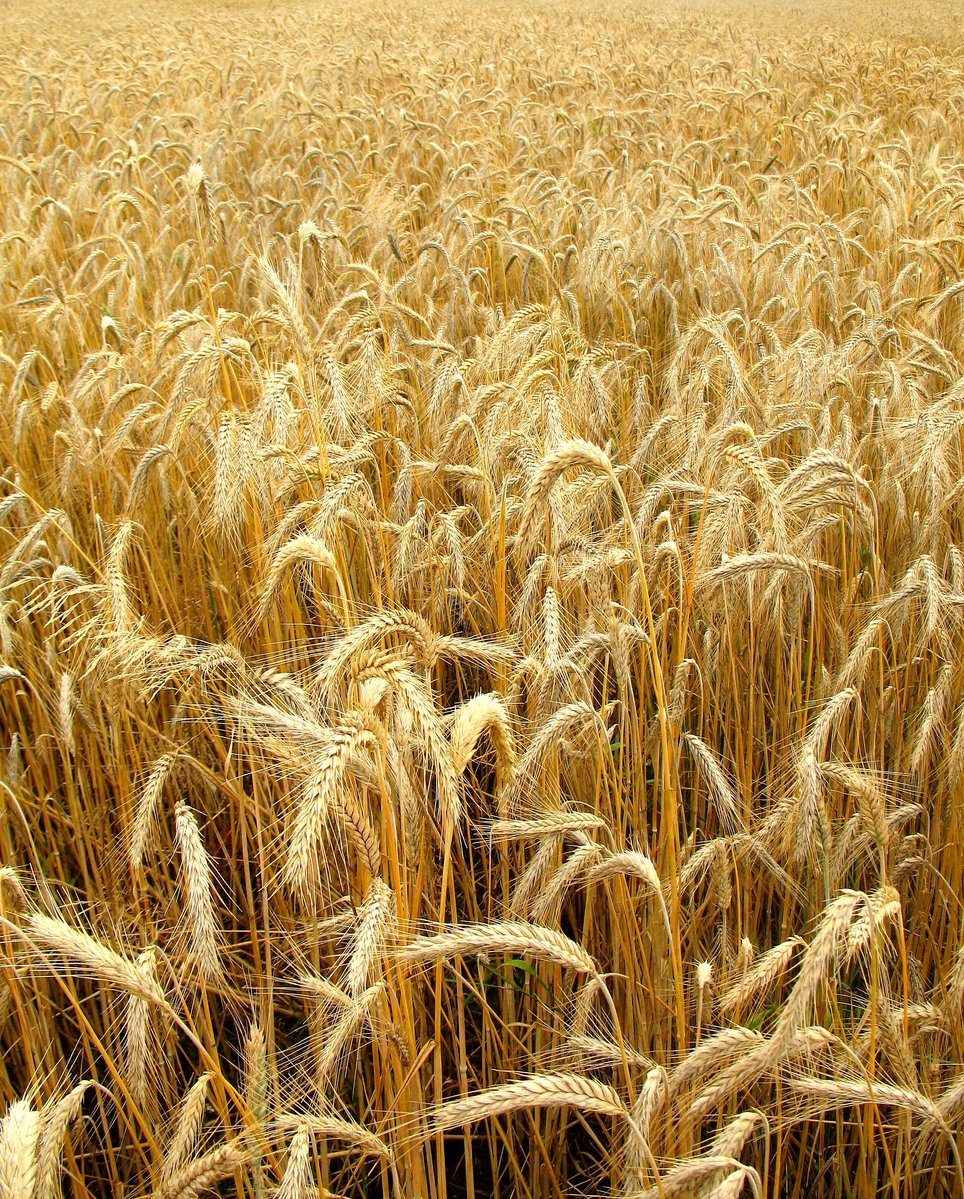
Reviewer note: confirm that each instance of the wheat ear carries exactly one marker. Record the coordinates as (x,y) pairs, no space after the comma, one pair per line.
(539,1091)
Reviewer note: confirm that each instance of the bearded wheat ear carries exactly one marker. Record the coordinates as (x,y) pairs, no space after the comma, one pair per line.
(599,1053)
(536,828)
(831,714)
(376,923)
(81,949)
(883,907)
(197,186)
(711,1053)
(539,1091)
(204,1173)
(532,879)
(13,761)
(835,923)
(651,1098)
(508,936)
(256,1096)
(741,565)
(572,455)
(721,791)
(811,819)
(402,625)
(119,605)
(729,1141)
(734,1183)
(13,897)
(203,932)
(829,1094)
(20,1131)
(760,976)
(351,1018)
(679,688)
(546,907)
(325,796)
(701,1176)
(586,997)
(256,1072)
(137,1034)
(139,479)
(950,1103)
(187,1129)
(145,812)
(57,1119)
(65,711)
(331,1127)
(297,1182)
(300,549)
(483,713)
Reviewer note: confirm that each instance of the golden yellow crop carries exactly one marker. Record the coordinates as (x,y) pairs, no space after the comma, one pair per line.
(481,600)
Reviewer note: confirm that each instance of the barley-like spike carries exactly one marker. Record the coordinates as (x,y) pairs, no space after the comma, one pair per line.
(506,937)
(82,949)
(204,1173)
(58,1117)
(202,924)
(188,1127)
(539,1091)
(20,1131)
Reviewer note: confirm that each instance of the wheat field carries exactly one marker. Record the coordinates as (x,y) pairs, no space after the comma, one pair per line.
(481,600)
